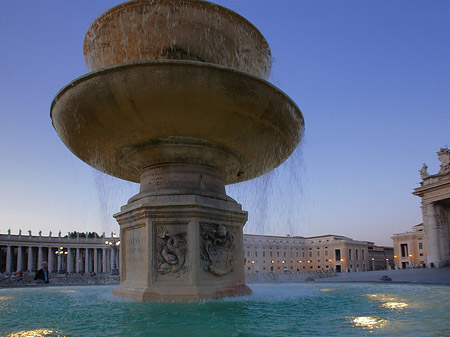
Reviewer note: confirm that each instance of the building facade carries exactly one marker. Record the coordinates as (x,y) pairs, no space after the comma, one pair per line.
(83,254)
(286,254)
(410,248)
(434,192)
(73,253)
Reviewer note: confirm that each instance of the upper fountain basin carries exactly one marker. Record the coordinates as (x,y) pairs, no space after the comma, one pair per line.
(126,118)
(176,29)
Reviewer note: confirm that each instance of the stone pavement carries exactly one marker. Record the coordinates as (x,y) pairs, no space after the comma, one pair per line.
(425,276)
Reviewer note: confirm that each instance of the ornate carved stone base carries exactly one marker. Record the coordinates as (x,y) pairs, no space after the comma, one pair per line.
(181,248)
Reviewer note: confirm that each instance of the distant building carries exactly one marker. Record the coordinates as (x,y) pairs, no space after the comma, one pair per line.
(410,249)
(380,257)
(434,192)
(286,254)
(82,253)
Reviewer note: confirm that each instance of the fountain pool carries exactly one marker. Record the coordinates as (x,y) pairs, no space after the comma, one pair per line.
(302,309)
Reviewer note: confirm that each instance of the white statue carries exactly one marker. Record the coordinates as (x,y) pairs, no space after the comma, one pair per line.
(424,171)
(444,157)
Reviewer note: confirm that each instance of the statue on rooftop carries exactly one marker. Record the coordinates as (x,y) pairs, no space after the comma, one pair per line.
(444,157)
(424,171)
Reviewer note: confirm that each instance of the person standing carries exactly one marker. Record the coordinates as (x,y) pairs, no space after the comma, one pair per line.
(42,274)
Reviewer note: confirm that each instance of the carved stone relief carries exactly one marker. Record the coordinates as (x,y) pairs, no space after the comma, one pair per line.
(171,252)
(217,249)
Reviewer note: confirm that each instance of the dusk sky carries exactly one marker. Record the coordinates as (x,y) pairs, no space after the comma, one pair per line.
(372,79)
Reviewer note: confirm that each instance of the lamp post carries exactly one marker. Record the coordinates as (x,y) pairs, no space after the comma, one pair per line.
(373,264)
(387,264)
(410,260)
(60,253)
(114,244)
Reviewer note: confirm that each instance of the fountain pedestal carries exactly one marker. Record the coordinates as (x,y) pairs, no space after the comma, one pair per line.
(177,100)
(181,238)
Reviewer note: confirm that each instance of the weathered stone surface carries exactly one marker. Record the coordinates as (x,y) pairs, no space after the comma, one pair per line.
(162,245)
(121,120)
(166,29)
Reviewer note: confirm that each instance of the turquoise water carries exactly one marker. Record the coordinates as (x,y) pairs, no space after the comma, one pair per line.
(302,309)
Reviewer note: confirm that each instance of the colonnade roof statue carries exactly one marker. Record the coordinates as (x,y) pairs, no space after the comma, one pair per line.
(177,100)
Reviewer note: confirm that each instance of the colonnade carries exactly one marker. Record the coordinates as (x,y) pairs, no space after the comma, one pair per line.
(63,255)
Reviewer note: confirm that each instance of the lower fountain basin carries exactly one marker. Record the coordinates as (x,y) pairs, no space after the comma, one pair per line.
(126,118)
(322,309)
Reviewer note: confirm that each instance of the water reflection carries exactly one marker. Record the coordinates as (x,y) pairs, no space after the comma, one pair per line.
(32,333)
(369,322)
(5,298)
(390,302)
(395,305)
(66,291)
(327,289)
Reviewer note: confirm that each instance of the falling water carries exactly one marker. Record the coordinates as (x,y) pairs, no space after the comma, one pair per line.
(274,201)
(112,193)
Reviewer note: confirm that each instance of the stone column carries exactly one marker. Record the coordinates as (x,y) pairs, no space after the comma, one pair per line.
(95,261)
(104,260)
(40,257)
(30,259)
(9,257)
(78,261)
(60,267)
(19,259)
(431,236)
(86,261)
(113,261)
(50,260)
(70,260)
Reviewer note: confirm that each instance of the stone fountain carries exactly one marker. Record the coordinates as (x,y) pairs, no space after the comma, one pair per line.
(178,101)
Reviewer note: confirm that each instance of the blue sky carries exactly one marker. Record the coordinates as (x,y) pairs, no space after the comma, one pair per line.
(372,79)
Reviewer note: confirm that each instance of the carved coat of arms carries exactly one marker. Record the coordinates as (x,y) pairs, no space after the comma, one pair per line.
(217,252)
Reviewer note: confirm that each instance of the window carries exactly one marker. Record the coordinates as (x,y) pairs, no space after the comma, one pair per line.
(271,254)
(337,253)
(264,253)
(350,254)
(278,254)
(420,245)
(310,254)
(256,253)
(296,254)
(284,254)
(248,253)
(404,249)
(318,253)
(326,253)
(356,254)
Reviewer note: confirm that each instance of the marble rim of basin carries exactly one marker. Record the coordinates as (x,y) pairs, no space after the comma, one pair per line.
(176,29)
(124,119)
